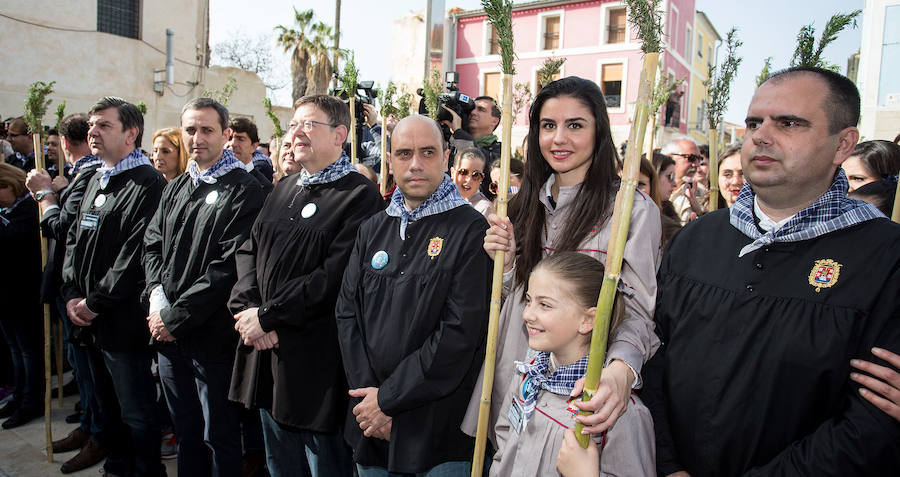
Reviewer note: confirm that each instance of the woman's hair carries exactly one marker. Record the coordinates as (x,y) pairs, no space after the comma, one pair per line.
(661,161)
(647,170)
(732,150)
(584,276)
(879,158)
(516,167)
(879,193)
(173,135)
(471,153)
(13,177)
(594,201)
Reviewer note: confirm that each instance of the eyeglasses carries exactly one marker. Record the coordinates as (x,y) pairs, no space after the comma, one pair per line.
(477,175)
(692,158)
(308,125)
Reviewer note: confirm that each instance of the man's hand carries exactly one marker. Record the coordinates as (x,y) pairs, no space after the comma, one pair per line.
(368,414)
(887,386)
(384,432)
(158,329)
(371,114)
(456,122)
(268,341)
(78,312)
(248,325)
(573,461)
(610,400)
(500,236)
(59,183)
(37,180)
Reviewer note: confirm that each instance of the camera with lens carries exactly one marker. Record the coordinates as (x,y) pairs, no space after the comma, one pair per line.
(456,101)
(365,94)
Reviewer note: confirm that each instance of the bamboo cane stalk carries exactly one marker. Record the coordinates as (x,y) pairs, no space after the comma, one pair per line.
(621,220)
(48,390)
(490,356)
(275,152)
(895,215)
(59,364)
(650,139)
(713,175)
(353,130)
(382,172)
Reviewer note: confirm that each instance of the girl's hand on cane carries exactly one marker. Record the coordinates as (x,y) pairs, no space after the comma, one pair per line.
(573,461)
(500,236)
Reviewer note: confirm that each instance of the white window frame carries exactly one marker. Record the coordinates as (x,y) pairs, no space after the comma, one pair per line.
(486,42)
(604,33)
(541,28)
(700,45)
(623,102)
(673,28)
(481,82)
(689,41)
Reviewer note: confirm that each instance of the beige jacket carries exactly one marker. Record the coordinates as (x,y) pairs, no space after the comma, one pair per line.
(633,341)
(628,449)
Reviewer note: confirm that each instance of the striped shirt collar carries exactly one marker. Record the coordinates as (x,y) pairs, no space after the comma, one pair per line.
(831,212)
(86,161)
(446,197)
(134,159)
(258,156)
(333,172)
(223,166)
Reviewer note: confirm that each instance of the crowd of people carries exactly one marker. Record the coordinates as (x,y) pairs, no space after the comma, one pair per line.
(280,316)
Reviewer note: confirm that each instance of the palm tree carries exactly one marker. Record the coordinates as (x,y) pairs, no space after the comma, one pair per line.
(320,47)
(297,41)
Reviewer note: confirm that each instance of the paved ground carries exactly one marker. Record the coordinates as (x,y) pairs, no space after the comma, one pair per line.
(22,449)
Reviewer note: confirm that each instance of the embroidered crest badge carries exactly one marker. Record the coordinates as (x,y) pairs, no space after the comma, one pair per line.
(824,274)
(435,246)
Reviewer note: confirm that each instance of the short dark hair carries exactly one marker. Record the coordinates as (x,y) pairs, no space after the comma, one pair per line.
(201,103)
(704,150)
(878,157)
(841,103)
(53,132)
(495,110)
(337,111)
(246,126)
(129,115)
(74,128)
(471,153)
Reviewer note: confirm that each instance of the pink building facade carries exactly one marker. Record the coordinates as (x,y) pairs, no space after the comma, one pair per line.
(594,38)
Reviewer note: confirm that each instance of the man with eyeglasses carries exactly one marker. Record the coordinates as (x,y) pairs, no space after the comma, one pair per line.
(686,154)
(289,274)
(468,173)
(22,144)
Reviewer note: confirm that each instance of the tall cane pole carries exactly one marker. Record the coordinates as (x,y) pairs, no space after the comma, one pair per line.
(382,172)
(621,221)
(713,175)
(48,390)
(895,215)
(353,152)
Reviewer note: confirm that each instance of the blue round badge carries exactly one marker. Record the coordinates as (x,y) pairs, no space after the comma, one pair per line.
(379,260)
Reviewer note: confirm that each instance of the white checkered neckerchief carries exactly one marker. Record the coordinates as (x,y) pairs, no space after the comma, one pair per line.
(259,156)
(86,161)
(446,197)
(333,172)
(223,166)
(3,220)
(135,159)
(831,212)
(559,381)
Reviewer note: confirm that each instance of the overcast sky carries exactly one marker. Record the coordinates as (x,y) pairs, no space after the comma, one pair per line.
(767,28)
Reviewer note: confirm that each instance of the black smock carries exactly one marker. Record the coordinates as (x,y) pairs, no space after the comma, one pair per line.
(55,224)
(753,376)
(291,269)
(104,252)
(190,246)
(416,330)
(265,183)
(21,277)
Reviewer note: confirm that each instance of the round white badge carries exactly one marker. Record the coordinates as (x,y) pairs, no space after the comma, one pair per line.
(99,200)
(308,210)
(212,197)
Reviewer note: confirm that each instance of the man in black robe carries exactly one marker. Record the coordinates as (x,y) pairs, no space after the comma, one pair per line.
(412,316)
(203,218)
(289,273)
(762,306)
(103,280)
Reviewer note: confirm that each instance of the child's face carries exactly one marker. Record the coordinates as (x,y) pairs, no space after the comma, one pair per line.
(556,322)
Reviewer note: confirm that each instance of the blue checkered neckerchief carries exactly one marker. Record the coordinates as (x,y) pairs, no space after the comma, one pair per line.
(259,156)
(223,166)
(446,197)
(560,381)
(831,212)
(333,172)
(5,211)
(86,161)
(135,159)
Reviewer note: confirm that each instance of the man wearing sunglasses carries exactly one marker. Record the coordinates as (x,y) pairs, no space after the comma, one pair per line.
(686,154)
(18,136)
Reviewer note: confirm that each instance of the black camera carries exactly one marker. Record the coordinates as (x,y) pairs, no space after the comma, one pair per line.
(365,94)
(454,100)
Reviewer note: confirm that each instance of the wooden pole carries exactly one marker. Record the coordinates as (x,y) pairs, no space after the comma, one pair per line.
(895,215)
(713,175)
(353,151)
(650,141)
(59,364)
(48,390)
(382,173)
(275,151)
(621,221)
(490,355)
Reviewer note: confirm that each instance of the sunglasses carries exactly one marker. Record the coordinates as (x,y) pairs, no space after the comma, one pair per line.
(692,158)
(477,175)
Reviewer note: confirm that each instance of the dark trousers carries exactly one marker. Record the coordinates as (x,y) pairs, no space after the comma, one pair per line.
(206,422)
(126,394)
(325,454)
(79,358)
(23,335)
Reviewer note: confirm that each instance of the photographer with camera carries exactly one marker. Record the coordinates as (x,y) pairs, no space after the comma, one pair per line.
(478,130)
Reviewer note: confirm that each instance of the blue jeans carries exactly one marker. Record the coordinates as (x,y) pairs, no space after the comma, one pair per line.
(126,393)
(23,334)
(326,454)
(446,469)
(79,358)
(206,422)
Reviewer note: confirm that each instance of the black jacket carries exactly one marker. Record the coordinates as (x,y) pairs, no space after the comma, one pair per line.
(20,247)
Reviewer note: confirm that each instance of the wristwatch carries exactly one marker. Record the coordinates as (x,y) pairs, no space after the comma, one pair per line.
(39,196)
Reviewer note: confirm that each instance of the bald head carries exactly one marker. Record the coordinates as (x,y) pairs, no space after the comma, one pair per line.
(418,158)
(422,120)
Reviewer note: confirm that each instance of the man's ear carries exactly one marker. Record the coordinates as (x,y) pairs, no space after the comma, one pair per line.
(341,133)
(847,140)
(446,158)
(131,136)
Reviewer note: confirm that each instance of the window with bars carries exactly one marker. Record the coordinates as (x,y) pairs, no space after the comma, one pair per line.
(119,17)
(611,84)
(494,42)
(616,26)
(551,33)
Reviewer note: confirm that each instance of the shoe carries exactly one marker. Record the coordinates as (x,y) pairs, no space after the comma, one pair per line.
(22,416)
(8,410)
(73,418)
(74,441)
(168,449)
(91,454)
